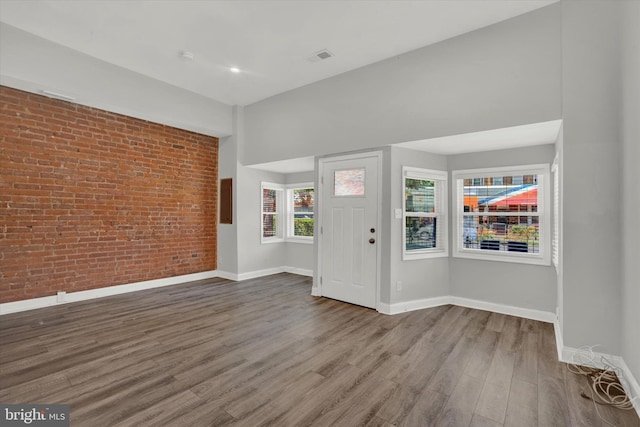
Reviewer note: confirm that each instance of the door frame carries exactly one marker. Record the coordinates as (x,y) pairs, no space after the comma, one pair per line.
(317,288)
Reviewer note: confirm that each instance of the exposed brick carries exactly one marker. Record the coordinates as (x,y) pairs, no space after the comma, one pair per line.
(90,198)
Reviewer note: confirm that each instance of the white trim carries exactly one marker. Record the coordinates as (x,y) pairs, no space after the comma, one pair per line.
(575,355)
(402,307)
(259,273)
(227,275)
(559,341)
(543,213)
(290,214)
(279,213)
(527,313)
(511,310)
(64,298)
(298,271)
(315,291)
(269,271)
(631,386)
(319,221)
(441,214)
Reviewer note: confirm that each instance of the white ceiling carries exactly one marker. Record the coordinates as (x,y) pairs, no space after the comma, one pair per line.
(271,41)
(490,140)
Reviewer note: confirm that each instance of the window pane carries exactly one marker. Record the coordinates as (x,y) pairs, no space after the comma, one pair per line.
(303,226)
(492,232)
(497,195)
(419,195)
(269,200)
(348,182)
(421,233)
(303,199)
(269,225)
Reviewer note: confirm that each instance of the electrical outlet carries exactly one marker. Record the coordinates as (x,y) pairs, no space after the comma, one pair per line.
(399,285)
(398,213)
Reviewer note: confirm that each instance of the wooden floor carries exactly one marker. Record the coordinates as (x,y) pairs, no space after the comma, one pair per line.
(265,352)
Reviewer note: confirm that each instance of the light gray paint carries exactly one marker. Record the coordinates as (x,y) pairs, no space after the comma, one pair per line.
(300,177)
(30,63)
(421,279)
(630,180)
(228,166)
(228,233)
(519,285)
(503,75)
(253,255)
(592,197)
(559,269)
(300,255)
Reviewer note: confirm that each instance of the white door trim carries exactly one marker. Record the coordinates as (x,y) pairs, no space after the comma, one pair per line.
(317,291)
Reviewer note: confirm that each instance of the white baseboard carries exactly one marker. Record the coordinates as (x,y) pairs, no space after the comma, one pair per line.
(299,271)
(402,307)
(631,387)
(527,313)
(260,273)
(588,357)
(315,291)
(64,298)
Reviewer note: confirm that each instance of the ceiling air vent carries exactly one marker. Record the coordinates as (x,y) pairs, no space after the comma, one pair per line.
(321,55)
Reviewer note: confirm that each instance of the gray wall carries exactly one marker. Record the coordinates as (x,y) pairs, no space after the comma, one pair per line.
(592,250)
(503,75)
(630,180)
(300,255)
(252,254)
(27,60)
(228,233)
(519,285)
(421,279)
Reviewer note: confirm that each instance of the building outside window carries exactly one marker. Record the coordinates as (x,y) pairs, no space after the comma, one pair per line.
(300,212)
(424,213)
(501,214)
(287,212)
(272,212)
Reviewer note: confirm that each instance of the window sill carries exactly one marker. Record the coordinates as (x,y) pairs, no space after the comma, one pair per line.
(410,256)
(308,241)
(484,255)
(272,240)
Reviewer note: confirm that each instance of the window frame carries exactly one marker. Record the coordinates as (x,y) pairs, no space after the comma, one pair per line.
(280,199)
(543,257)
(290,237)
(440,213)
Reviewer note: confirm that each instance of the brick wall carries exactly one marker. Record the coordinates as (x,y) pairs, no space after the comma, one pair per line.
(90,199)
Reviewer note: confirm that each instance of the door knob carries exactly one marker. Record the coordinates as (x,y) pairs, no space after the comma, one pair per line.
(372,241)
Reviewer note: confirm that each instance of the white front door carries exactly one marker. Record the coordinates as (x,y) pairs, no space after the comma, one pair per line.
(349,237)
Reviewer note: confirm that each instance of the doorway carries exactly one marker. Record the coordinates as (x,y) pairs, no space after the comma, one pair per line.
(349,254)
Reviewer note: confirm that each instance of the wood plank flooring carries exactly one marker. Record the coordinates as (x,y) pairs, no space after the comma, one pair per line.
(265,352)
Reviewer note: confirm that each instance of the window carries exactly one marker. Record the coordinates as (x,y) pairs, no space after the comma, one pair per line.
(300,205)
(424,213)
(287,212)
(272,209)
(503,219)
(349,182)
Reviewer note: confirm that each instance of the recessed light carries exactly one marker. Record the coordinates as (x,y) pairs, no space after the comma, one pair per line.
(234,70)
